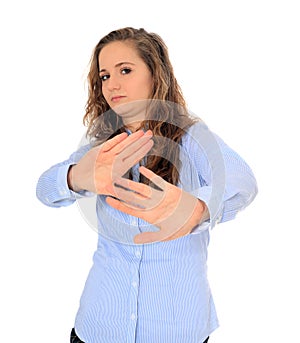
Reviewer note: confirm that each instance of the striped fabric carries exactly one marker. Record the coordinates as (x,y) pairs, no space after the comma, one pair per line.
(156,292)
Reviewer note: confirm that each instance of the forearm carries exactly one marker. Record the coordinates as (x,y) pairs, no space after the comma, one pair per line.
(52,187)
(199,215)
(226,183)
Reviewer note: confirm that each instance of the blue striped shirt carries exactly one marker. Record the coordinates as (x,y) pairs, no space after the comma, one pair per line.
(156,292)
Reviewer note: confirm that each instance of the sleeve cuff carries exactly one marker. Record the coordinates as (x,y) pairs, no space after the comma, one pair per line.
(63,188)
(214,206)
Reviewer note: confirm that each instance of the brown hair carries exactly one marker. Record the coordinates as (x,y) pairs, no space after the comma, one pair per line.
(169,114)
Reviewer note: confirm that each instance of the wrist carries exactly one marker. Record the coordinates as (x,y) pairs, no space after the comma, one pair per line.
(199,215)
(205,212)
(70,179)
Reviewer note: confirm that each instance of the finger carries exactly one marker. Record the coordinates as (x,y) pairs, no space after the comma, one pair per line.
(159,236)
(133,144)
(139,194)
(157,180)
(121,206)
(149,237)
(140,188)
(136,152)
(132,199)
(111,143)
(131,139)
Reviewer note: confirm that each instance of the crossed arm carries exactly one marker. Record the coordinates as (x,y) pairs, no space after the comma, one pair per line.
(174,211)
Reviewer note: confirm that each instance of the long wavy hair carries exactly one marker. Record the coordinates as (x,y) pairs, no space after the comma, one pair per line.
(168,117)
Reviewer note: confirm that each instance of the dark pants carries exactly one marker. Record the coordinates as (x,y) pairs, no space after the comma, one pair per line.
(74,338)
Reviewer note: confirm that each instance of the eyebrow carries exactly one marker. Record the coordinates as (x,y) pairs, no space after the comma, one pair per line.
(117,65)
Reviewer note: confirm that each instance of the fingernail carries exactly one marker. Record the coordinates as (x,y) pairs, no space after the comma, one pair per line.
(137,240)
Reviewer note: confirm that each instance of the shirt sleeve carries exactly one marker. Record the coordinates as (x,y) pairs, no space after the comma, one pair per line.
(225,181)
(52,187)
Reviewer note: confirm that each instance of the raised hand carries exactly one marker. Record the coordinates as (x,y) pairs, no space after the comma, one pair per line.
(100,166)
(174,211)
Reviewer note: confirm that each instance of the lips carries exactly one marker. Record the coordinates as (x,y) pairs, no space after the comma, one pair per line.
(117,98)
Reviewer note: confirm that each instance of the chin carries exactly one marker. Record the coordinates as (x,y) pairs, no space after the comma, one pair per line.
(131,111)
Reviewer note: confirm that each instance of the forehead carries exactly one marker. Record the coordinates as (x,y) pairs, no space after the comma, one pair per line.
(116,52)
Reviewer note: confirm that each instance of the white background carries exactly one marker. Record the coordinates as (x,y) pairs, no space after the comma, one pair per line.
(238,65)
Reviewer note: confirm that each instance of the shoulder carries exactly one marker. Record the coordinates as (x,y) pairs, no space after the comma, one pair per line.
(196,134)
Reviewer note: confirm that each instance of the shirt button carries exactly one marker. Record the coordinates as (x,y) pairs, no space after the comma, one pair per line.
(132,317)
(134,284)
(138,254)
(218,219)
(134,221)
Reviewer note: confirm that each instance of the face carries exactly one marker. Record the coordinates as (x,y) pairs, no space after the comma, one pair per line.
(125,78)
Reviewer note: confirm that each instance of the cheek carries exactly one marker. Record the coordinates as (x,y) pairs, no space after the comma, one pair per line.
(105,93)
(147,87)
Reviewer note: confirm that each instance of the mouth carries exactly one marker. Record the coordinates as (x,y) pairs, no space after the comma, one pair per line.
(117,98)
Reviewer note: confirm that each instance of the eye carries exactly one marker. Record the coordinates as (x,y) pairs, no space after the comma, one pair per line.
(104,77)
(125,71)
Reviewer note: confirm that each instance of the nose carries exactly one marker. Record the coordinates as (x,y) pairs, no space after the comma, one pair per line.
(113,83)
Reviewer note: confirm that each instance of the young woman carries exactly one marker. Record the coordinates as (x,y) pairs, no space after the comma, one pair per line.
(162,180)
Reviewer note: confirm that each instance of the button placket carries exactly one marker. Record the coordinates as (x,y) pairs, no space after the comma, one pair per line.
(133,293)
(134,275)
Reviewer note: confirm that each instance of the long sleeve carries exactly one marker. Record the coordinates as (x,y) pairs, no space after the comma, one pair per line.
(225,182)
(52,187)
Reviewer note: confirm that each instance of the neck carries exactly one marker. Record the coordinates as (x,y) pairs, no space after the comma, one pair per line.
(132,113)
(133,127)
